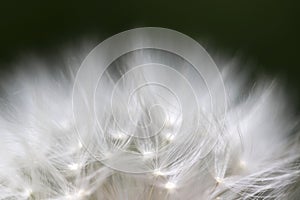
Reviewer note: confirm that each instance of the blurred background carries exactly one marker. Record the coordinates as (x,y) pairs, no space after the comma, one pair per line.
(262,32)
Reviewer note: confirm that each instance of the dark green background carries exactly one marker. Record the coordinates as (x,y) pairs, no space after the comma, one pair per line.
(265,31)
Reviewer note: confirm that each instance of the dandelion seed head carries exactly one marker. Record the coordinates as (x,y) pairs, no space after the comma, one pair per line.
(176,127)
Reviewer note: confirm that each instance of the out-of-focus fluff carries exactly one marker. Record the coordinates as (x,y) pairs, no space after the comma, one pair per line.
(250,153)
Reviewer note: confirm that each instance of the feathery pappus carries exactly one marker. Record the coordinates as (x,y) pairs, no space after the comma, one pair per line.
(146,115)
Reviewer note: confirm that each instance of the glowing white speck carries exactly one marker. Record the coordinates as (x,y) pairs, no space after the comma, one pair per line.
(219,180)
(66,124)
(81,193)
(171,120)
(170,136)
(74,166)
(119,136)
(68,196)
(27,193)
(242,164)
(76,195)
(147,153)
(79,144)
(158,173)
(170,185)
